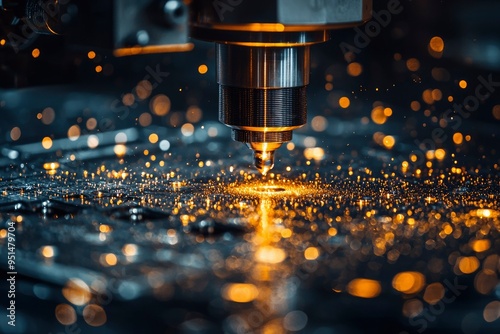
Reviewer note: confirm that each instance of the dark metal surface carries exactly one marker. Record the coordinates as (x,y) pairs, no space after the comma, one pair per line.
(138,214)
(170,243)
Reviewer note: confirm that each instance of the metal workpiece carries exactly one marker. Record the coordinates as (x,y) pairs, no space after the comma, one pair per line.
(270,67)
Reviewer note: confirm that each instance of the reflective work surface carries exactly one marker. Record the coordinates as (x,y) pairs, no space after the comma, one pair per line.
(132,211)
(173,237)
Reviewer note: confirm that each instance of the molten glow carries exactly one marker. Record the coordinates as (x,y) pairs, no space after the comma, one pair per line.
(314,153)
(480,245)
(120,150)
(485,213)
(160,105)
(413,64)
(389,142)
(194,114)
(354,69)
(104,228)
(92,141)
(437,95)
(270,254)
(153,138)
(74,132)
(153,49)
(51,166)
(276,188)
(436,44)
(286,233)
(65,314)
(434,293)
(108,259)
(94,315)
(427,96)
(145,119)
(240,292)
(187,130)
(415,105)
(48,251)
(344,102)
(364,288)
(143,89)
(260,27)
(47,143)
(202,69)
(408,282)
(15,133)
(378,116)
(440,154)
(319,123)
(492,311)
(311,253)
(130,250)
(77,292)
(468,264)
(458,138)
(91,123)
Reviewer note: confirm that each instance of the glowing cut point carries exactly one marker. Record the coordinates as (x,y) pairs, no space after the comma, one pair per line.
(270,189)
(277,188)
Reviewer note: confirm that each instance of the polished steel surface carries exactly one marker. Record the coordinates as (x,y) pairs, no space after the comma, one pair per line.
(259,67)
(256,136)
(263,108)
(262,94)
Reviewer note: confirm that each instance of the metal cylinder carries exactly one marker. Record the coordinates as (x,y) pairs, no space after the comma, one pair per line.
(262,67)
(269,110)
(262,91)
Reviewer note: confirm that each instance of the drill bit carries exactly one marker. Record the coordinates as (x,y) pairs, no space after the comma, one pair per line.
(264,155)
(264,161)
